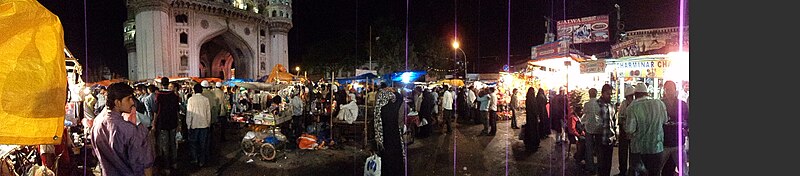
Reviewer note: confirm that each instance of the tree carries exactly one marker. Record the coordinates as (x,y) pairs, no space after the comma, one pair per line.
(332,54)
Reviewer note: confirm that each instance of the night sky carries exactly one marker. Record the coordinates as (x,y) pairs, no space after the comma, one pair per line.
(482,25)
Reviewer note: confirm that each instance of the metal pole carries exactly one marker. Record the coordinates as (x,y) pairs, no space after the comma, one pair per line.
(370,47)
(465,62)
(330,121)
(619,24)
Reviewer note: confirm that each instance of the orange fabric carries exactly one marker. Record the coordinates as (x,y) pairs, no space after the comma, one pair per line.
(279,72)
(307,141)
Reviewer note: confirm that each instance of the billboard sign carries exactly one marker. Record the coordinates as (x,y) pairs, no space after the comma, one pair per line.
(550,50)
(584,30)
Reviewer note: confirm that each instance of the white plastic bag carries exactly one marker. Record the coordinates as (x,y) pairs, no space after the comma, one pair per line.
(178,136)
(373,166)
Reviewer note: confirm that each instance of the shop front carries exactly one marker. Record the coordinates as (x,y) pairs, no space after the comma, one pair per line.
(648,69)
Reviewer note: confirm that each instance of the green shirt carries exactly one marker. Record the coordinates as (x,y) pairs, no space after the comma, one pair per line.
(645,119)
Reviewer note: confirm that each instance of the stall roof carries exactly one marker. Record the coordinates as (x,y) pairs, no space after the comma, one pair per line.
(405,76)
(359,77)
(557,62)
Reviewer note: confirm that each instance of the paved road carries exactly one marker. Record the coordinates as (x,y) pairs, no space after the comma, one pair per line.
(502,154)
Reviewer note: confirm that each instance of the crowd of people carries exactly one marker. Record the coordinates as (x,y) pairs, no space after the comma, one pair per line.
(644,129)
(134,129)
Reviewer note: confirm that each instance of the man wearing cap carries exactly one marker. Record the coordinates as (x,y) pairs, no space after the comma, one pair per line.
(223,110)
(214,103)
(645,119)
(624,140)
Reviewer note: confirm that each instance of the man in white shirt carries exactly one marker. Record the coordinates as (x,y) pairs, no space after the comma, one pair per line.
(447,104)
(492,111)
(591,123)
(472,112)
(198,119)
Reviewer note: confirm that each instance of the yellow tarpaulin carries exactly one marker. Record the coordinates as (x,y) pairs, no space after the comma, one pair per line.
(33,76)
(280,73)
(452,82)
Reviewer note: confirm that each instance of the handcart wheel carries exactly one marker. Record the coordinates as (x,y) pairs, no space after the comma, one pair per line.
(248,147)
(267,151)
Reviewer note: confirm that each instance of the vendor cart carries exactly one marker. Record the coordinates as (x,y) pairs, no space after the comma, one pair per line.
(264,137)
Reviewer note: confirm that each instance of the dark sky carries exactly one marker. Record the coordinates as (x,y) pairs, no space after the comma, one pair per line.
(482,24)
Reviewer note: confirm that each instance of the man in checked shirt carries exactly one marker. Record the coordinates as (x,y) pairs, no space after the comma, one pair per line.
(600,125)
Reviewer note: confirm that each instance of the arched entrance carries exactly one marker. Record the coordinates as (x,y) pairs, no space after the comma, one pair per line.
(222,53)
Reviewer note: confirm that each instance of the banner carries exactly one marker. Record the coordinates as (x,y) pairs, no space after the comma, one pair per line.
(593,66)
(361,72)
(550,50)
(584,30)
(643,69)
(642,45)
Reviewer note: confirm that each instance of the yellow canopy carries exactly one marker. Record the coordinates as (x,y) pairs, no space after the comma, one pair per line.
(279,72)
(33,80)
(451,82)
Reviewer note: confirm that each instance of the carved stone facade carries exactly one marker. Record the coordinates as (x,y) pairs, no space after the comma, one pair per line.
(206,38)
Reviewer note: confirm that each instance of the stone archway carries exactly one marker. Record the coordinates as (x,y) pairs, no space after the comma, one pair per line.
(222,52)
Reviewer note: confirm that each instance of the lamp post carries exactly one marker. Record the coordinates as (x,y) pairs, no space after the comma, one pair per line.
(297,68)
(457,46)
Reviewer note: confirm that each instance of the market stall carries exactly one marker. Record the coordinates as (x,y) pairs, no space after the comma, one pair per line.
(648,69)
(355,118)
(264,137)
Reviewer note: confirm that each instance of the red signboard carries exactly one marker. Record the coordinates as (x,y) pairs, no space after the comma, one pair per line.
(584,30)
(550,50)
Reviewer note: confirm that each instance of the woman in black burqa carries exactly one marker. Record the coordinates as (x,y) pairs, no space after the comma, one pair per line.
(544,119)
(387,131)
(531,129)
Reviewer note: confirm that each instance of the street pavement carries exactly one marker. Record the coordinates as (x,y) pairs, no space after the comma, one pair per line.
(502,154)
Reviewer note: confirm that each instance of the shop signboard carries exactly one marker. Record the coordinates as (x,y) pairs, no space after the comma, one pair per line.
(550,50)
(584,30)
(639,45)
(595,66)
(650,68)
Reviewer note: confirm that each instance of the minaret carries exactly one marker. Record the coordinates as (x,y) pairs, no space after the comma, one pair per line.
(152,39)
(129,28)
(280,22)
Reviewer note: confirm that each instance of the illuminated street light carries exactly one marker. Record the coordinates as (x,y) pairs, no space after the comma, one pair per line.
(457,46)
